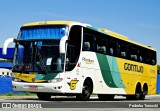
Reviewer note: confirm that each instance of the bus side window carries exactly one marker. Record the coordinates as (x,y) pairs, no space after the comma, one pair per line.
(153,62)
(150,58)
(111,51)
(112,44)
(101,43)
(153,58)
(133,52)
(101,49)
(123,49)
(86,46)
(140,59)
(123,54)
(88,40)
(134,57)
(141,55)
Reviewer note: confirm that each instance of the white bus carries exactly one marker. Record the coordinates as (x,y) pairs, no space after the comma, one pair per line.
(72,58)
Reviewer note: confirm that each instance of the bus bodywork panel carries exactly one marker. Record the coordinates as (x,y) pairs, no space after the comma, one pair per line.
(134,72)
(109,74)
(35,83)
(114,75)
(106,78)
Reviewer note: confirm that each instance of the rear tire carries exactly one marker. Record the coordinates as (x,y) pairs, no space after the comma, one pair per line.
(144,92)
(142,97)
(137,95)
(44,96)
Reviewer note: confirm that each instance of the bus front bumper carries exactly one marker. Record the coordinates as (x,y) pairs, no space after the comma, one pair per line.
(38,87)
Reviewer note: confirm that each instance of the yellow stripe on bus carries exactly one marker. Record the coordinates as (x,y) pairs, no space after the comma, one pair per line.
(27,77)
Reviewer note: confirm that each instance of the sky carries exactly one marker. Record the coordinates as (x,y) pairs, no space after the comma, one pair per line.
(139,20)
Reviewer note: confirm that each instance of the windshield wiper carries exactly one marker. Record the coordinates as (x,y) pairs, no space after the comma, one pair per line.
(25,63)
(42,66)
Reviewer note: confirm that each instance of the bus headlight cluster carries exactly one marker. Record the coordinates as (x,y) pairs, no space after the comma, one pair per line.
(16,79)
(55,80)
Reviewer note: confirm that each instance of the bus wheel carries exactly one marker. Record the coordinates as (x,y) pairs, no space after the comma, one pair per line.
(134,97)
(44,96)
(137,95)
(144,92)
(104,97)
(86,91)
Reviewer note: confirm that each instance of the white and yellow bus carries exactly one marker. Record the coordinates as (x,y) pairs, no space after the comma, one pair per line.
(72,58)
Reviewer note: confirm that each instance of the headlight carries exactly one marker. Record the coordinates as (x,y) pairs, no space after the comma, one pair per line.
(16,79)
(55,80)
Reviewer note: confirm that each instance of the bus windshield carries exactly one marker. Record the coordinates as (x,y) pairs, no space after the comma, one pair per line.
(37,49)
(38,56)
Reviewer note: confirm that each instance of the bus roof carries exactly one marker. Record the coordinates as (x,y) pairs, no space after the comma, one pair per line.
(102,30)
(113,34)
(52,23)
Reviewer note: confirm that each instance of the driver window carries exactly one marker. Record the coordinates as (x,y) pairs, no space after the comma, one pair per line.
(73,47)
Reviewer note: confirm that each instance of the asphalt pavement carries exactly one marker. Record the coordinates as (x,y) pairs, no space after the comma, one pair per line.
(58,103)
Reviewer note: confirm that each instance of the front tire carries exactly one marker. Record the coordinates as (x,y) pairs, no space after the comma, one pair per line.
(86,91)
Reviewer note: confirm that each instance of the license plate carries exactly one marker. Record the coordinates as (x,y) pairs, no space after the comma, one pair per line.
(33,87)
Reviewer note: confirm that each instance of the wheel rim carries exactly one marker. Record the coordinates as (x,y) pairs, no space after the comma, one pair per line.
(86,91)
(138,94)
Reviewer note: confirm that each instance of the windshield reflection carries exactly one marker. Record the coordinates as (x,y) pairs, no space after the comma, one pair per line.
(38,56)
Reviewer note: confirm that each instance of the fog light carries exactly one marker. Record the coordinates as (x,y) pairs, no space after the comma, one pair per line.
(54,87)
(59,87)
(55,80)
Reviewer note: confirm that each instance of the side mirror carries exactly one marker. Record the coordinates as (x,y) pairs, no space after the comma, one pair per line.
(63,45)
(5,45)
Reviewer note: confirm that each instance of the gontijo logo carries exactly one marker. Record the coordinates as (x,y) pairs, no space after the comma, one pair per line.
(133,67)
(87,61)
